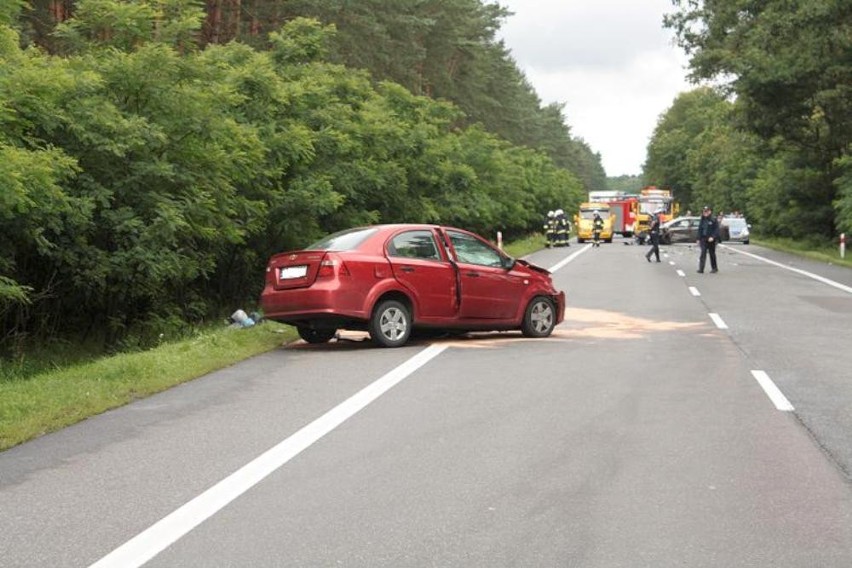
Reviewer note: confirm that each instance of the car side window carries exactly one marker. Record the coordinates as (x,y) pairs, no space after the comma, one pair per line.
(414,244)
(473,251)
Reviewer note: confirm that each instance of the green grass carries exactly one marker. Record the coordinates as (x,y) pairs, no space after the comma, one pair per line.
(525,246)
(815,251)
(35,404)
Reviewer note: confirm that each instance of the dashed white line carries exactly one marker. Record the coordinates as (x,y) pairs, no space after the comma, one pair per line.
(159,536)
(720,323)
(773,392)
(681,273)
(694,291)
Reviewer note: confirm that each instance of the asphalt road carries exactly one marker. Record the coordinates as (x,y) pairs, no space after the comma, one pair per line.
(637,435)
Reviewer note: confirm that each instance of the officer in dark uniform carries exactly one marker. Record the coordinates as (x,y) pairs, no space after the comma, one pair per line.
(654,234)
(708,236)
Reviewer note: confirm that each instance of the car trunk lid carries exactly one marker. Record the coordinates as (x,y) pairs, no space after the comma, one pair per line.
(297,269)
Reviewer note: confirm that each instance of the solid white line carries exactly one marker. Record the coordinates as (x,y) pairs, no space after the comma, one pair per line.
(718,321)
(681,273)
(159,536)
(817,277)
(565,261)
(773,392)
(694,291)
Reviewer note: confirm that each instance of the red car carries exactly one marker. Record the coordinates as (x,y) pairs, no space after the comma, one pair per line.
(389,279)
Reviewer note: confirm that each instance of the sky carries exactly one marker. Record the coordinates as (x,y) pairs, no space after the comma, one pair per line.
(610,61)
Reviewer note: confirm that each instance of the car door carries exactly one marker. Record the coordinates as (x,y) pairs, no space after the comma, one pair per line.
(488,289)
(429,277)
(693,229)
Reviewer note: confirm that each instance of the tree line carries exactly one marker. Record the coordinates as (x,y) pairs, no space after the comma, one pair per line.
(146,176)
(772,136)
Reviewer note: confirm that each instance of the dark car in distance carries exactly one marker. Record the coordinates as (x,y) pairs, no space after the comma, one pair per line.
(391,279)
(680,230)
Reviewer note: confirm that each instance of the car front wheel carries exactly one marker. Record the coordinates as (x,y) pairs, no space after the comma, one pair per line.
(390,324)
(539,317)
(316,335)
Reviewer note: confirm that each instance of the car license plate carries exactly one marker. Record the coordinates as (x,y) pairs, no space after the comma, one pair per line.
(294,272)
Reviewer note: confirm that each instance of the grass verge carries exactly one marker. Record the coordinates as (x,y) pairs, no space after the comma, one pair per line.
(525,246)
(45,402)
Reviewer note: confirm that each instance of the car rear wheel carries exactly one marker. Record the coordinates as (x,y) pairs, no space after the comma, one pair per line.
(539,318)
(316,335)
(390,324)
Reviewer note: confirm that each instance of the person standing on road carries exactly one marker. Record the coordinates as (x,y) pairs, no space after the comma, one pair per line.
(563,229)
(708,236)
(597,228)
(550,228)
(654,235)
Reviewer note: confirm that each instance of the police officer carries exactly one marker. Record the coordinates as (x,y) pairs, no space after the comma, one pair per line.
(654,234)
(550,228)
(597,227)
(708,236)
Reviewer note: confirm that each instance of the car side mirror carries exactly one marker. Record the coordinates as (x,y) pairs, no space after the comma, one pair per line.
(508,262)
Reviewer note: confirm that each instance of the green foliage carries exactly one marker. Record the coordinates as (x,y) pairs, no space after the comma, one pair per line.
(625,183)
(844,192)
(144,184)
(789,63)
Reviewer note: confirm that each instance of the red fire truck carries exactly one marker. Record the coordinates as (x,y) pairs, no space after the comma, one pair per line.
(624,210)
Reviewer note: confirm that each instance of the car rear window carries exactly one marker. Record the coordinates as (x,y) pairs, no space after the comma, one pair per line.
(343,240)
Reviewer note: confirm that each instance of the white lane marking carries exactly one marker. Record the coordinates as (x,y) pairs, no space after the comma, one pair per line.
(817,277)
(694,291)
(565,261)
(672,262)
(718,321)
(681,273)
(773,392)
(159,536)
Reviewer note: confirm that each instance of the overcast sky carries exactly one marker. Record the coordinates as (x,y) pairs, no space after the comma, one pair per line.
(610,61)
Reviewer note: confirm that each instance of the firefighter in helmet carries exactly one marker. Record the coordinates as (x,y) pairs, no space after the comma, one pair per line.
(563,229)
(550,228)
(597,228)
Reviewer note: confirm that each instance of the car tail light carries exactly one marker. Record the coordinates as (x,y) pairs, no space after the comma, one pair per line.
(331,266)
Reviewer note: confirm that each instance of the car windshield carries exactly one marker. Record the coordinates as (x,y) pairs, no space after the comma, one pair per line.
(590,213)
(343,240)
(735,223)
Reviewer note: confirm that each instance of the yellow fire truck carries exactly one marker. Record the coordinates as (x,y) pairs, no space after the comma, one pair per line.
(651,200)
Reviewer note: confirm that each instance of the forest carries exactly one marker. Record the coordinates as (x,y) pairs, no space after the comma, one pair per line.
(770,132)
(154,153)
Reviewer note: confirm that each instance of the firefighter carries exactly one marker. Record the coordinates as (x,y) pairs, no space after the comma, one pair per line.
(597,227)
(563,228)
(550,228)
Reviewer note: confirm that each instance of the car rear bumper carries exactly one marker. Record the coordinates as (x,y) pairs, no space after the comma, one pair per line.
(299,305)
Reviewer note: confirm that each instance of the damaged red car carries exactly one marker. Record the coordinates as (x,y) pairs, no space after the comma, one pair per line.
(389,280)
